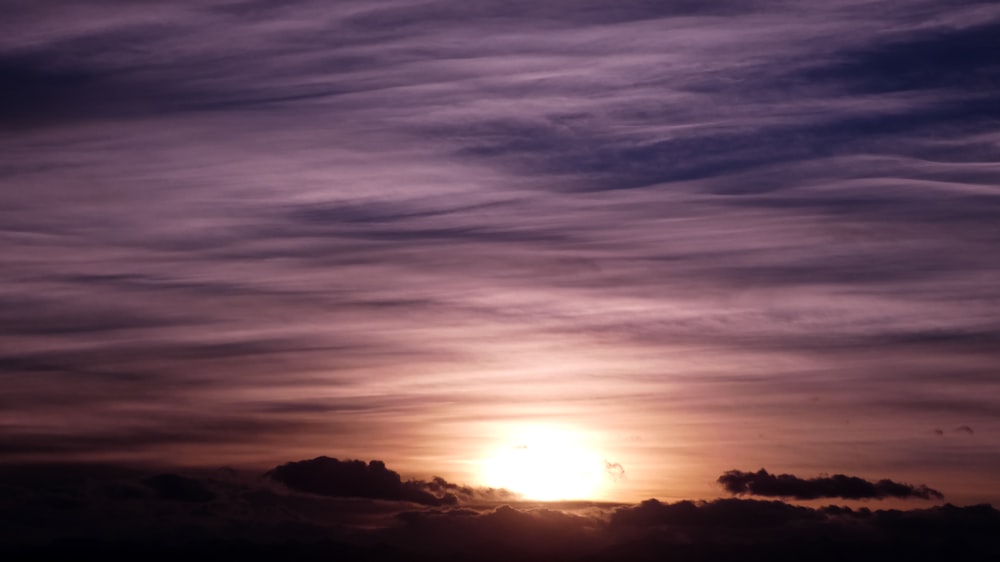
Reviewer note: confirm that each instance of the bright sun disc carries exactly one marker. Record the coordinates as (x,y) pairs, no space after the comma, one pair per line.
(545,464)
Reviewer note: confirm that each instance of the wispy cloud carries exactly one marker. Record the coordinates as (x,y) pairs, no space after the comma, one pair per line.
(226,223)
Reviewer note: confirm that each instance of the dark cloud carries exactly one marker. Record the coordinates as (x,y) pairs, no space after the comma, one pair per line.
(962,59)
(723,513)
(196,428)
(557,12)
(762,483)
(442,488)
(499,534)
(730,529)
(178,488)
(327,476)
(969,405)
(964,429)
(104,512)
(614,469)
(49,88)
(36,94)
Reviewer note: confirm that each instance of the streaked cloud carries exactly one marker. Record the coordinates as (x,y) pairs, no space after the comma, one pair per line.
(242,232)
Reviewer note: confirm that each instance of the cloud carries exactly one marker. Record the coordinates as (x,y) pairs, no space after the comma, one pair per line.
(762,483)
(956,59)
(614,470)
(327,476)
(233,226)
(771,530)
(112,512)
(442,488)
(964,429)
(727,513)
(179,488)
(500,533)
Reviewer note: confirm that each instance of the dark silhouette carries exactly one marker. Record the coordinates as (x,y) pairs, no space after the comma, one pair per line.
(763,483)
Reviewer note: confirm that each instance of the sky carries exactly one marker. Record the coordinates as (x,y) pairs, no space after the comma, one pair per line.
(646,242)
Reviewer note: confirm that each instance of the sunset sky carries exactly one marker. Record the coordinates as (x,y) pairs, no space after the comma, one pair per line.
(620,246)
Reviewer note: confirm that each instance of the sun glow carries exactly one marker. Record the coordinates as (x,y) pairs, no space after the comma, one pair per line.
(545,464)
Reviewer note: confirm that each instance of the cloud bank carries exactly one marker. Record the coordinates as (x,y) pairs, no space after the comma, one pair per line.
(103,512)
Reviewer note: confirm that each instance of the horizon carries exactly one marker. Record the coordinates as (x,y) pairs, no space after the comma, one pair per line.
(320,508)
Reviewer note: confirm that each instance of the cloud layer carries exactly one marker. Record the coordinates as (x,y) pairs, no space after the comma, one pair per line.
(703,234)
(100,512)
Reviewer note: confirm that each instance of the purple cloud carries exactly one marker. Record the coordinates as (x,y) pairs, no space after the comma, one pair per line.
(244,231)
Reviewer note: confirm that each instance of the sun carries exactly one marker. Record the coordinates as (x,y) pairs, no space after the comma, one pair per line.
(545,464)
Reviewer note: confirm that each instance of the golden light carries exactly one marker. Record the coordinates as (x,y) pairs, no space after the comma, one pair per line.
(546,463)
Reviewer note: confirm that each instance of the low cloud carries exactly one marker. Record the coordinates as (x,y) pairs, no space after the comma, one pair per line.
(731,513)
(763,483)
(179,488)
(505,532)
(327,476)
(731,529)
(113,513)
(442,488)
